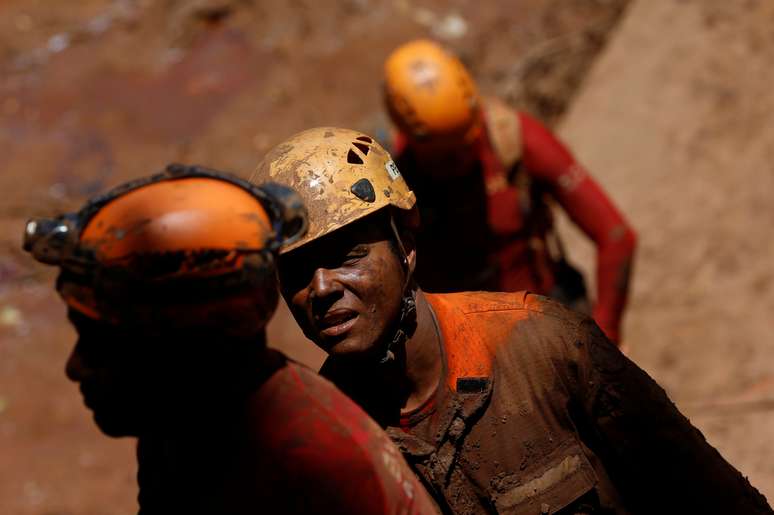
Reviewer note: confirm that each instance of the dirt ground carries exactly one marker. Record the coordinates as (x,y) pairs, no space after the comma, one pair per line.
(672,120)
(676,119)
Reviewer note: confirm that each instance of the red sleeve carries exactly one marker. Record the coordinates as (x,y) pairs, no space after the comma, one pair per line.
(318,452)
(549,161)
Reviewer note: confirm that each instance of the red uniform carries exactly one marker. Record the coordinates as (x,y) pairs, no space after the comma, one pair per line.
(295,445)
(505,211)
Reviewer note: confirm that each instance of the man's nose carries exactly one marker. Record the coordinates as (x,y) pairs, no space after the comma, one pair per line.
(324,283)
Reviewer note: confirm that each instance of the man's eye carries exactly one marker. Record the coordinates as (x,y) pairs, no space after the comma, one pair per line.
(354,256)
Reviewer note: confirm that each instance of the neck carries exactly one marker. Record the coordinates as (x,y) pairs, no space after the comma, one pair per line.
(423,365)
(219,376)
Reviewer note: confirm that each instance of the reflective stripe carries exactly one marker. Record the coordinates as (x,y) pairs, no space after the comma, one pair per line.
(537,486)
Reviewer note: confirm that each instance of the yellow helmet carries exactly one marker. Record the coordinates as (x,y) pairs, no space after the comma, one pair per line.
(341,175)
(429,93)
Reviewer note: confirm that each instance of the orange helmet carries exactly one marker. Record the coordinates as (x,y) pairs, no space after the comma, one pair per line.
(189,247)
(430,95)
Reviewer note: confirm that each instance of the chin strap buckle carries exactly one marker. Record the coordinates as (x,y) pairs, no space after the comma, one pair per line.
(408,310)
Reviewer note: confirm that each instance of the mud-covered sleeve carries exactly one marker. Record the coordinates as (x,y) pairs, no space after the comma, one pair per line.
(590,208)
(658,460)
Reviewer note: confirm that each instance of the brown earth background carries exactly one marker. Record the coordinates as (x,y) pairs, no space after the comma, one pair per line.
(669,104)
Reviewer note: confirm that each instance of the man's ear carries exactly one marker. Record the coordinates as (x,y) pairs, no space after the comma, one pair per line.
(410,246)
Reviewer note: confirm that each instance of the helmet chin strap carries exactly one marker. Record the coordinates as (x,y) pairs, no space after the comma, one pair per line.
(408,304)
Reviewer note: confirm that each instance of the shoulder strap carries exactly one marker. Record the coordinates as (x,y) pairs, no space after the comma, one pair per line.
(467,355)
(504,130)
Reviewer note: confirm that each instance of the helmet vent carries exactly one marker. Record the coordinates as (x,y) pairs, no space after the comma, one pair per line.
(364,138)
(363,147)
(353,158)
(364,190)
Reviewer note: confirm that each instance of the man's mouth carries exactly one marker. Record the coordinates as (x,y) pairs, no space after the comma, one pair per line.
(336,322)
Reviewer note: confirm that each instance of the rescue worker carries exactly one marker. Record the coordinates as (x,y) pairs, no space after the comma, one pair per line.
(502,402)
(484,175)
(169,282)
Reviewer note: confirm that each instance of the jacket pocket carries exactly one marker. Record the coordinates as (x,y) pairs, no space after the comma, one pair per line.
(555,483)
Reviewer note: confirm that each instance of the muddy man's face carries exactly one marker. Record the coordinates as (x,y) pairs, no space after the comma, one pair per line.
(345,289)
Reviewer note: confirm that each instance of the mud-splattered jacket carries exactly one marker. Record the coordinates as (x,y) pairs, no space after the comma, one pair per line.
(296,445)
(539,413)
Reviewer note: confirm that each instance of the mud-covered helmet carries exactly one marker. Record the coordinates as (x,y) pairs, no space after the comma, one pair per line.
(341,176)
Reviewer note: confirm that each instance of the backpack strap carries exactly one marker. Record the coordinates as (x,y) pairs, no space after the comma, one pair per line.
(504,130)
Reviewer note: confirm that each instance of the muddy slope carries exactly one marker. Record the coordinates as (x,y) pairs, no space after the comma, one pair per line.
(676,120)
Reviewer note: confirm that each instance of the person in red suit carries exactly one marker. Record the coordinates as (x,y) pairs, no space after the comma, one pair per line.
(486,177)
(169,282)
